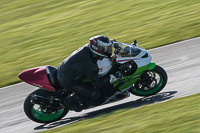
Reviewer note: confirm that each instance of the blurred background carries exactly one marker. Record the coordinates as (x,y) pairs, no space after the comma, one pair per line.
(39,32)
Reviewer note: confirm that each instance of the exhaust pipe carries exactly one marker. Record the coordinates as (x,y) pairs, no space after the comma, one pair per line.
(35,99)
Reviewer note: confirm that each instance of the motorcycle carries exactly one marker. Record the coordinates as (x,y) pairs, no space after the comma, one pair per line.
(137,75)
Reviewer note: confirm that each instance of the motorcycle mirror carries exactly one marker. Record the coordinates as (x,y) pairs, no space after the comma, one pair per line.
(134,42)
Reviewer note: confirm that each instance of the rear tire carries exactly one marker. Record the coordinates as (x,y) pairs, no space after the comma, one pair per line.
(159,85)
(37,115)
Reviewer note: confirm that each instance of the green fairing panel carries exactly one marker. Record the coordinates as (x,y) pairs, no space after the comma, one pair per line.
(130,80)
(151,66)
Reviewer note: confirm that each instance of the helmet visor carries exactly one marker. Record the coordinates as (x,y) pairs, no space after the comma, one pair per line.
(109,49)
(106,50)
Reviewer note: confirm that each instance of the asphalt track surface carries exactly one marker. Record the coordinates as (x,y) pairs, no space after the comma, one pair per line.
(181,61)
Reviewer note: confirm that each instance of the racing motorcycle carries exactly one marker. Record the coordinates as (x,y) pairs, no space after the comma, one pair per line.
(137,75)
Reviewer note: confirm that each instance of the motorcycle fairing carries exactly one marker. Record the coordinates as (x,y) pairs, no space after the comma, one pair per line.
(37,76)
(128,81)
(141,56)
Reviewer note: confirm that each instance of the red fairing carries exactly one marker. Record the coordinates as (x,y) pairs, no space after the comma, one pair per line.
(37,77)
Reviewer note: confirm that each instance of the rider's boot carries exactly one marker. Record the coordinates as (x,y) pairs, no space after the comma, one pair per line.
(73,102)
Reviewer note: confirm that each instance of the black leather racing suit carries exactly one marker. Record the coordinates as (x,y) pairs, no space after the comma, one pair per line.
(79,65)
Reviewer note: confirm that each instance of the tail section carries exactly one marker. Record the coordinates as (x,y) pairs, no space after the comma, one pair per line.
(37,77)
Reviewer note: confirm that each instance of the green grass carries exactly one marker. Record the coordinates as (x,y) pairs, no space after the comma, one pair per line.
(175,116)
(39,32)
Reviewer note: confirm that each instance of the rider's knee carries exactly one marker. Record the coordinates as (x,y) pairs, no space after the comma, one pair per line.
(95,95)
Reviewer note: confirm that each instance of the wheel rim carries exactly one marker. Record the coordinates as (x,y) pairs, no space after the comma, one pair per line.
(39,115)
(154,89)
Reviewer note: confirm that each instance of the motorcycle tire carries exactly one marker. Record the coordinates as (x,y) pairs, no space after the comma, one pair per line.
(35,114)
(159,85)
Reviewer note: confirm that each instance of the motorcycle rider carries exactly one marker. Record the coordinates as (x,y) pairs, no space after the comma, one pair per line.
(80,64)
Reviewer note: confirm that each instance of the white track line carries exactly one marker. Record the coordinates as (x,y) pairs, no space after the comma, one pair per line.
(175,43)
(11,86)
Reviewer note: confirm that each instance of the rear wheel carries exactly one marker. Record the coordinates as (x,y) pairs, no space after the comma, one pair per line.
(150,82)
(39,113)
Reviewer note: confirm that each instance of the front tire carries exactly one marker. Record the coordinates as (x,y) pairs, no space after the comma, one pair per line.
(33,111)
(150,82)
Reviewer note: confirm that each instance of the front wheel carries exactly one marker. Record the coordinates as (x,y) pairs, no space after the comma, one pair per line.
(39,113)
(150,82)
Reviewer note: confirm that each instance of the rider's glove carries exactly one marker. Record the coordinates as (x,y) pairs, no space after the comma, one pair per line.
(112,79)
(115,77)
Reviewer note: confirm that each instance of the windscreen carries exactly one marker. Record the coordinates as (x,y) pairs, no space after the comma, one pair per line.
(128,51)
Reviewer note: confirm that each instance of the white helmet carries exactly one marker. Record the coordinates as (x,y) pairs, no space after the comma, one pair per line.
(101,45)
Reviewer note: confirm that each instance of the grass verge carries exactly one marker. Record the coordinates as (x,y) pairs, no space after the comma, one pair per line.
(175,116)
(35,33)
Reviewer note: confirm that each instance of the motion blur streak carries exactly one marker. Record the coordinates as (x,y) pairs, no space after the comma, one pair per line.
(181,61)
